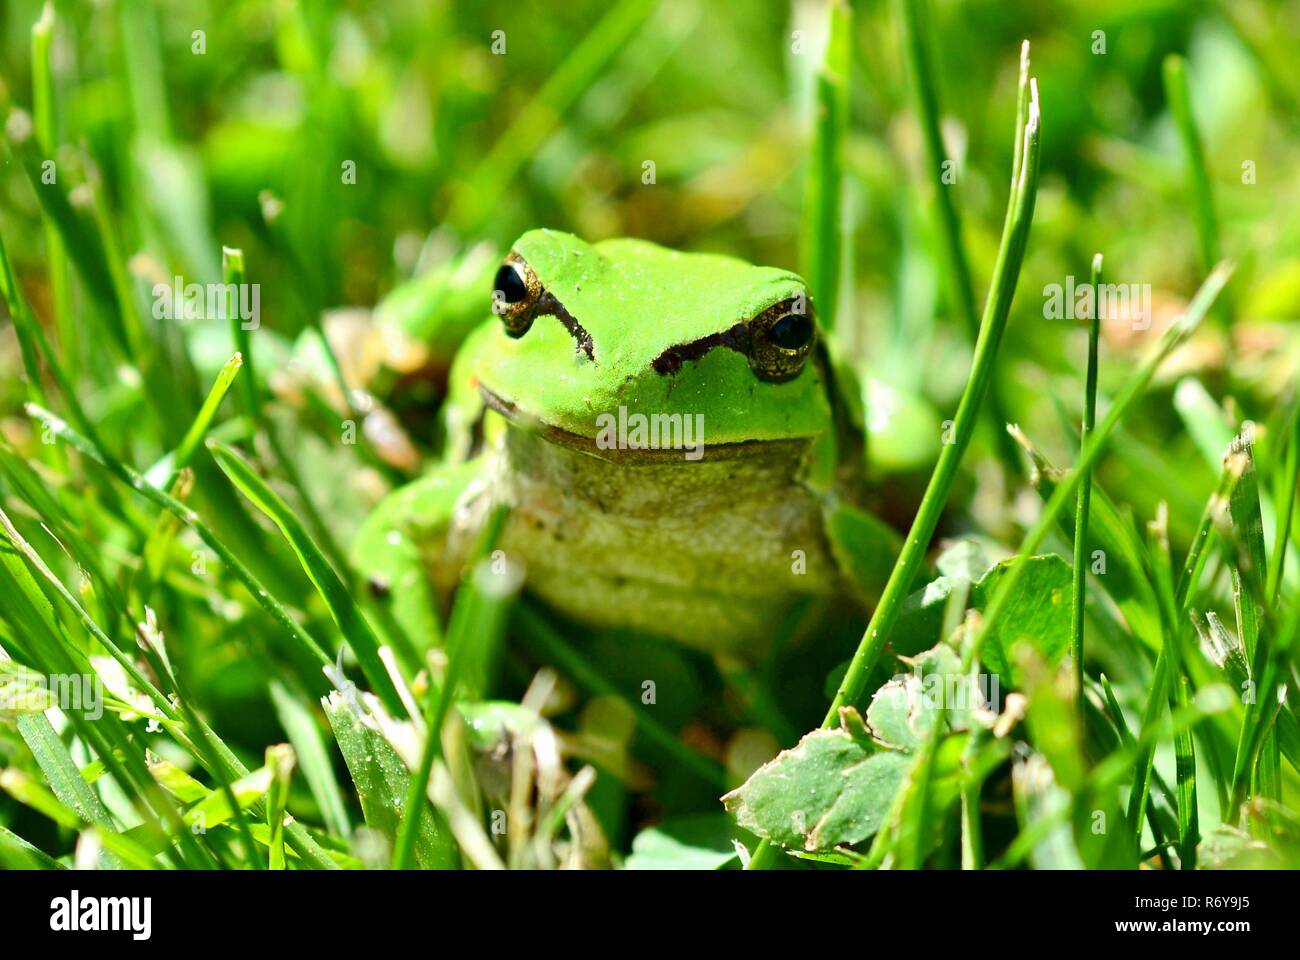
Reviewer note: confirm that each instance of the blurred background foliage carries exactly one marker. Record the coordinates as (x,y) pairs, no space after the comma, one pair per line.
(455,144)
(194,125)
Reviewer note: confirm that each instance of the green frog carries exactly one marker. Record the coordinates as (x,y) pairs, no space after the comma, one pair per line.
(678,448)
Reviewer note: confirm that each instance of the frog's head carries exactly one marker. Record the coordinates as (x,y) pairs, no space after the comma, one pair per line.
(592,334)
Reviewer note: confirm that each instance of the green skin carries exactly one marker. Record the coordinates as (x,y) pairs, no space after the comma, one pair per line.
(709,545)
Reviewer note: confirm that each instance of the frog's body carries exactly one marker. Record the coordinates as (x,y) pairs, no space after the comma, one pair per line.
(654,546)
(661,428)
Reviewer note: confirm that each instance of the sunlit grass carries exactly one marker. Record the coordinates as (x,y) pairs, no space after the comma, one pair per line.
(178,496)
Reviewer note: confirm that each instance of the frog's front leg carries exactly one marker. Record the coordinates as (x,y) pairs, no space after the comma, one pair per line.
(407,549)
(864,547)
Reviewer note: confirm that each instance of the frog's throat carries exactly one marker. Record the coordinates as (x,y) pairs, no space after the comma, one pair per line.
(735,450)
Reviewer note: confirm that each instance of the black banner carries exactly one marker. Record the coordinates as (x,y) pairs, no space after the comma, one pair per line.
(338,910)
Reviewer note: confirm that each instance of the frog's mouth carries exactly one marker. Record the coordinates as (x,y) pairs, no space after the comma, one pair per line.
(620,452)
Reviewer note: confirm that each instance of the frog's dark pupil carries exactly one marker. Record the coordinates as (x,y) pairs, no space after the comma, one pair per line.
(791,332)
(509,285)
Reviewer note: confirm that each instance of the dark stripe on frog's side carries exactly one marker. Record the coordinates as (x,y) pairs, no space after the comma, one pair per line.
(670,361)
(738,337)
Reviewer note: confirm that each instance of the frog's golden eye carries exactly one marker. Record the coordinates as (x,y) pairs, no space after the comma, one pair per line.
(781,338)
(516,294)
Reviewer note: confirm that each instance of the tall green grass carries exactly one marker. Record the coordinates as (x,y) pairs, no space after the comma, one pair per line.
(176,499)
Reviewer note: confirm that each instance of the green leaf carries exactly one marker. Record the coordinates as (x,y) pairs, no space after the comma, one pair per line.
(903,711)
(831,789)
(177,782)
(702,842)
(1038,613)
(868,794)
(381,779)
(838,786)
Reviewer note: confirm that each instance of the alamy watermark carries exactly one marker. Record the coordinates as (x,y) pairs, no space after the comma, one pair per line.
(24,691)
(208,301)
(1129,302)
(962,692)
(75,913)
(655,431)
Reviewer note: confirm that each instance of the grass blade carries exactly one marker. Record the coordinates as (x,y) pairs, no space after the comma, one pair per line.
(280,761)
(312,756)
(1248,591)
(920,74)
(17,854)
(1288,483)
(230,765)
(187,516)
(356,630)
(1092,451)
(476,198)
(1110,532)
(61,773)
(911,16)
(1193,567)
(382,782)
(80,240)
(45,116)
(823,243)
(478,617)
(1085,492)
(1177,692)
(31,794)
(1006,274)
(164,472)
(1180,105)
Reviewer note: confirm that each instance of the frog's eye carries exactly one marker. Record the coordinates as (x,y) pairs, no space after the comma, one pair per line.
(516,292)
(781,337)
